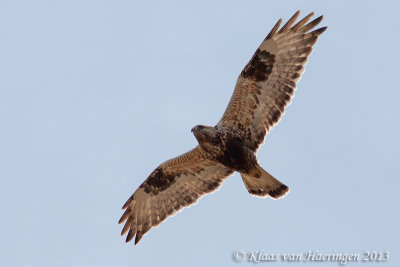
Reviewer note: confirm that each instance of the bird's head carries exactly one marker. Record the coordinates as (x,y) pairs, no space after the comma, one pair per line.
(203,133)
(198,128)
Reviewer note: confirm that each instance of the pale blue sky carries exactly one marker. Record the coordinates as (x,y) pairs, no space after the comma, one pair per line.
(95,94)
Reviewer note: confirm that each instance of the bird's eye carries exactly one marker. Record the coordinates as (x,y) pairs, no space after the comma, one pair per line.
(201,127)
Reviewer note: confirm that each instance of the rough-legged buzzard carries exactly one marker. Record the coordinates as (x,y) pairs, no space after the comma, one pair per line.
(263,90)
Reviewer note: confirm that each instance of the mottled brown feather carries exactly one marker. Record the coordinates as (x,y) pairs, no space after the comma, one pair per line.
(266,85)
(175,184)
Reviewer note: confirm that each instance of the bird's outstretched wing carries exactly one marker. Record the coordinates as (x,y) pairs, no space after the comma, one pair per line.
(173,185)
(267,83)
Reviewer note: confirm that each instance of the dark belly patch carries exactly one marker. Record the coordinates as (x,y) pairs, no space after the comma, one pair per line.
(235,156)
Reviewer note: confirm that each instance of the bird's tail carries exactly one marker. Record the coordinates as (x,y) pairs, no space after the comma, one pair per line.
(260,183)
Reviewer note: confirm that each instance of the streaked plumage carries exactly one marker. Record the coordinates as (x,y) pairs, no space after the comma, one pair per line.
(263,90)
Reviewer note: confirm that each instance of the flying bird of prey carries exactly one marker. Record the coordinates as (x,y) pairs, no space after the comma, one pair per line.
(263,90)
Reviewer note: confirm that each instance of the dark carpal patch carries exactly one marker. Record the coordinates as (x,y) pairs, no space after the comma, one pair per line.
(260,66)
(234,155)
(157,181)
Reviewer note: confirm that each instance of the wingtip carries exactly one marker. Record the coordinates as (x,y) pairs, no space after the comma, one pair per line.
(130,236)
(318,20)
(309,26)
(321,30)
(303,21)
(290,22)
(138,237)
(274,29)
(127,202)
(124,217)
